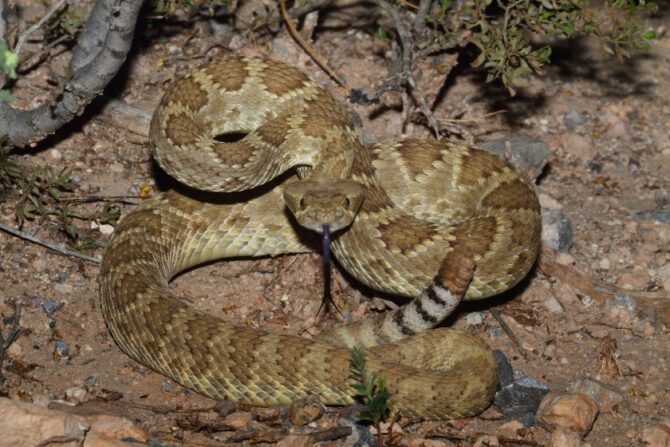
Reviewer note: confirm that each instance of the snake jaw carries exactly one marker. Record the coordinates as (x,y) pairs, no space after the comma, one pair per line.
(318,204)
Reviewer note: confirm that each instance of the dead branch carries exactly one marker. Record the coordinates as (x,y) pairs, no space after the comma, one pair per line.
(6,341)
(309,49)
(49,245)
(598,290)
(101,50)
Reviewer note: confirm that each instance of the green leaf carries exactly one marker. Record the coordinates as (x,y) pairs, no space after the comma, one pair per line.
(649,35)
(8,61)
(6,96)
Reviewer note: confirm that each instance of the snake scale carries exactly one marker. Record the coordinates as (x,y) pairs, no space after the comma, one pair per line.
(438,222)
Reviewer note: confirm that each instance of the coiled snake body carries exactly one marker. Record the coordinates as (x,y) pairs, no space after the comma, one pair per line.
(435,221)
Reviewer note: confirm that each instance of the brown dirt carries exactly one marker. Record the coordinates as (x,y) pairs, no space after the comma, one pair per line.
(610,167)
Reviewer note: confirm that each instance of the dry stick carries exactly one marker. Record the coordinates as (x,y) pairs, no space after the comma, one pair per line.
(56,248)
(598,290)
(6,342)
(308,48)
(406,57)
(512,336)
(421,14)
(36,26)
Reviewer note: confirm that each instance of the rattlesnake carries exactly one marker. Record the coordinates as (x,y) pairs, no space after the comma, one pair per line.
(432,220)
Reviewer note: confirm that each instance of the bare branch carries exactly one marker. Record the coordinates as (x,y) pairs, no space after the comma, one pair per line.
(24,35)
(50,246)
(101,50)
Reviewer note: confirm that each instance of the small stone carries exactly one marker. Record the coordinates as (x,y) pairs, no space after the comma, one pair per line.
(510,429)
(166,386)
(495,331)
(564,437)
(624,300)
(607,396)
(360,434)
(505,371)
(565,293)
(91,381)
(575,411)
(50,307)
(520,398)
(527,154)
(656,435)
(635,280)
(113,431)
(553,305)
(65,289)
(578,146)
(106,229)
(238,421)
(63,276)
(549,202)
(572,119)
(55,154)
(556,230)
(565,258)
(62,348)
(604,264)
(302,412)
(663,274)
(76,394)
(39,265)
(474,319)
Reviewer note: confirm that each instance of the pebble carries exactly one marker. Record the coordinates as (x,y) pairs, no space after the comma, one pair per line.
(62,348)
(656,435)
(521,398)
(572,119)
(166,386)
(663,274)
(578,146)
(565,293)
(55,154)
(604,264)
(564,437)
(302,412)
(24,423)
(50,307)
(624,300)
(76,394)
(556,230)
(553,305)
(529,154)
(549,202)
(574,411)
(360,435)
(65,289)
(606,395)
(474,319)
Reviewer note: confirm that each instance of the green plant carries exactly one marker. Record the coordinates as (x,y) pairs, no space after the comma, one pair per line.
(45,196)
(8,64)
(502,29)
(371,389)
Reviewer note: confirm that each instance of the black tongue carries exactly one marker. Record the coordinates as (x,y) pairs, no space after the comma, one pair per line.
(325,244)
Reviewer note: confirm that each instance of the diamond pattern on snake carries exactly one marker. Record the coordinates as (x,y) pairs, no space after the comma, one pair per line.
(432,221)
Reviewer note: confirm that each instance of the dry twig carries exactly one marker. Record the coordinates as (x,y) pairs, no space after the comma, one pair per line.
(50,246)
(309,48)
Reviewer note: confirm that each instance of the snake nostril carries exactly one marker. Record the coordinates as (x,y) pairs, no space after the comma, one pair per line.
(302,204)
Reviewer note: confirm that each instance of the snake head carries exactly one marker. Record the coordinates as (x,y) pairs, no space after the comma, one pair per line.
(315,204)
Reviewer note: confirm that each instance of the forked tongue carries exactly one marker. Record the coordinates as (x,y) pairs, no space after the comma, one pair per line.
(325,244)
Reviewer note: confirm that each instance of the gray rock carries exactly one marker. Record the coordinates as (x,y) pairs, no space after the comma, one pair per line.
(663,216)
(50,307)
(521,399)
(525,153)
(572,119)
(62,348)
(505,371)
(360,435)
(556,230)
(624,300)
